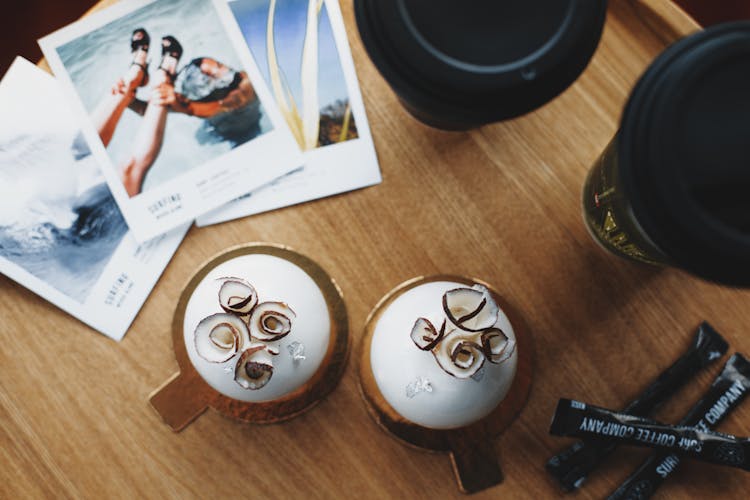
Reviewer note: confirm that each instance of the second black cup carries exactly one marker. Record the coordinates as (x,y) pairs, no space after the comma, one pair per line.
(459,65)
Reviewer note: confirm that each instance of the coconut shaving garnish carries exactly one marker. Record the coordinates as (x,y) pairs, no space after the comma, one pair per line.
(254,368)
(471,309)
(271,321)
(467,335)
(247,327)
(459,355)
(237,296)
(424,334)
(219,336)
(497,346)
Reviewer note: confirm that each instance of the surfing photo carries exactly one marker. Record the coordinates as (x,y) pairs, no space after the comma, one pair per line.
(174,108)
(61,232)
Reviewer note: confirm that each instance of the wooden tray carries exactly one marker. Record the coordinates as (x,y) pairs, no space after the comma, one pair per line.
(602,327)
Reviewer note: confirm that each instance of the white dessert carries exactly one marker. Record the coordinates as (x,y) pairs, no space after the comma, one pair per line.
(257,328)
(438,369)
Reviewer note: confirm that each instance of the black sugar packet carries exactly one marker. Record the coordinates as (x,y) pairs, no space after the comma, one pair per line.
(573,465)
(574,418)
(725,394)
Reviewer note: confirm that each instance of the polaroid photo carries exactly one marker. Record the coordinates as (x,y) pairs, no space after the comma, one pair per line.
(61,233)
(173,107)
(302,51)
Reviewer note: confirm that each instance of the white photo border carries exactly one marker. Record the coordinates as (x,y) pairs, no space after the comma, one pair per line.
(129,276)
(329,170)
(226,177)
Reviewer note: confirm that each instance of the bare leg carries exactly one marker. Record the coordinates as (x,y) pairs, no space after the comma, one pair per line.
(150,137)
(108,112)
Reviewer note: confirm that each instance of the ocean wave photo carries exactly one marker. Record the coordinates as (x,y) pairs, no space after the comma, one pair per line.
(58,219)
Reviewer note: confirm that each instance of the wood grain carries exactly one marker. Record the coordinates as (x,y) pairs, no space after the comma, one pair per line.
(74,416)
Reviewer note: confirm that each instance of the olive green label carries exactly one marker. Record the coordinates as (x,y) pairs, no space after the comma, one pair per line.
(610,234)
(604,220)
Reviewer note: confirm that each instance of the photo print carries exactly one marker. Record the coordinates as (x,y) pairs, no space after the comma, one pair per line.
(173,106)
(303,54)
(61,232)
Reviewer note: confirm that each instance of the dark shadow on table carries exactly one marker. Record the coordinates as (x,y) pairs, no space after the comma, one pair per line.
(26,21)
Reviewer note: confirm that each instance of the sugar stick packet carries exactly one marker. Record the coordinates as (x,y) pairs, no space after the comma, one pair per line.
(573,465)
(725,394)
(574,418)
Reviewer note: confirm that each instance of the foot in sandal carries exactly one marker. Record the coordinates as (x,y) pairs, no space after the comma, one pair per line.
(139,45)
(171,52)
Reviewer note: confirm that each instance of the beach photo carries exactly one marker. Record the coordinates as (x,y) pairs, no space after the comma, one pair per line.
(304,56)
(61,232)
(165,90)
(171,105)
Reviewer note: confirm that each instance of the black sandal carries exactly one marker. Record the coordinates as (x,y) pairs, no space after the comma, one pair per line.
(170,47)
(140,41)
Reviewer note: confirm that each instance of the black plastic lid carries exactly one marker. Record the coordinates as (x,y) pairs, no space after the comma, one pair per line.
(475,62)
(684,153)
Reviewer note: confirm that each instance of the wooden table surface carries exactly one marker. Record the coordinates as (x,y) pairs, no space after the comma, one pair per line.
(501,203)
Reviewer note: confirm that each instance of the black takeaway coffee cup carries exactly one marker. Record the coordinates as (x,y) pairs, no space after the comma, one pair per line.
(673,186)
(457,65)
